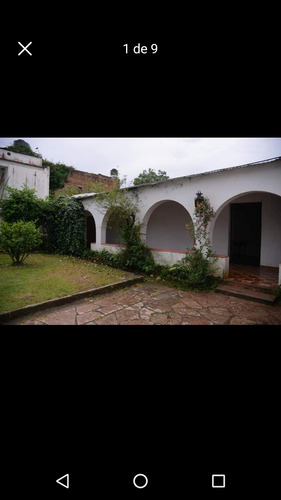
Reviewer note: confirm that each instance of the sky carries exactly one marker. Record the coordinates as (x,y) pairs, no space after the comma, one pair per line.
(130,156)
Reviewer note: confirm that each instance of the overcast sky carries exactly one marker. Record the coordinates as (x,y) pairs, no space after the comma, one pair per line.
(130,156)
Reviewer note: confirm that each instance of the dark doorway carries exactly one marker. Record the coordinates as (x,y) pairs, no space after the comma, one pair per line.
(90,230)
(245,236)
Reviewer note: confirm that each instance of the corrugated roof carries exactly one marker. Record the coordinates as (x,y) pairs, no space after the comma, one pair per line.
(261,162)
(269,160)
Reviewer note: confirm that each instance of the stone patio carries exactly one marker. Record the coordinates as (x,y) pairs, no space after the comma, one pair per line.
(155,304)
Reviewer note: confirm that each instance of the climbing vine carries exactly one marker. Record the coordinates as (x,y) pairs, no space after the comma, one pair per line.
(123,211)
(61,220)
(199,228)
(64,226)
(195,271)
(199,261)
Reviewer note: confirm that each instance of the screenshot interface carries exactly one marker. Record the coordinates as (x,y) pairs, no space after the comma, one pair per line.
(133,411)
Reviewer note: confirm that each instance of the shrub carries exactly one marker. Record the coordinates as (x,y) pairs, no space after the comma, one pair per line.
(61,220)
(69,226)
(178,272)
(21,205)
(194,272)
(199,268)
(137,257)
(59,173)
(64,226)
(19,240)
(103,257)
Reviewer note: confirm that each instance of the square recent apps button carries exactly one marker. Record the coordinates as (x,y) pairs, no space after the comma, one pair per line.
(218,480)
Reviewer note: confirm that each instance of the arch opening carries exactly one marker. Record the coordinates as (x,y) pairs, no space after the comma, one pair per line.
(248,229)
(90,229)
(166,227)
(112,233)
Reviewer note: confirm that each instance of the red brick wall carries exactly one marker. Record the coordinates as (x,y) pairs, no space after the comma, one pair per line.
(77,179)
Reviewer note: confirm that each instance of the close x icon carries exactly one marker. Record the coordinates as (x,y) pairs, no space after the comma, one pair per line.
(24,48)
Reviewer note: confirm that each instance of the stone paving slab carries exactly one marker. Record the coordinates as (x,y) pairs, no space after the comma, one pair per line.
(155,304)
(6,316)
(249,294)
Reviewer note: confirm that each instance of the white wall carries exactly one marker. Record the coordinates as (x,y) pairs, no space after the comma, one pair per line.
(271,231)
(24,169)
(166,227)
(12,156)
(161,226)
(220,243)
(37,178)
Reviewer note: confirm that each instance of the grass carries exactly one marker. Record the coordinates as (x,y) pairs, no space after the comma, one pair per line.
(44,277)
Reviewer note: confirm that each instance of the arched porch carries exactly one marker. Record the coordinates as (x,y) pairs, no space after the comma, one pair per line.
(90,229)
(247,228)
(164,231)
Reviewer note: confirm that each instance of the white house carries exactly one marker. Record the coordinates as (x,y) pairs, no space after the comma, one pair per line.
(245,230)
(17,169)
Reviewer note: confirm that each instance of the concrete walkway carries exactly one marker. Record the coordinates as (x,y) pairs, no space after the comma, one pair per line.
(154,304)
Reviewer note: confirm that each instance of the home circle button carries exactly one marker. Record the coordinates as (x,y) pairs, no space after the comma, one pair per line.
(140,481)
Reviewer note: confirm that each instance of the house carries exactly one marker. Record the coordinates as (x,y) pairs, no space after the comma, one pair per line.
(17,170)
(246,228)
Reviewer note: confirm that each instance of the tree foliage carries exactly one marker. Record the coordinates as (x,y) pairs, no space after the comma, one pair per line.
(150,176)
(61,220)
(20,148)
(59,173)
(122,209)
(21,205)
(19,240)
(68,226)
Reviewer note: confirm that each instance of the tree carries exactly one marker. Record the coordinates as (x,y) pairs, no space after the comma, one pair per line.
(150,176)
(21,204)
(122,210)
(23,148)
(19,240)
(59,173)
(68,226)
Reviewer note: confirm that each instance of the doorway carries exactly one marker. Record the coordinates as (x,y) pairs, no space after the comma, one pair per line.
(245,233)
(90,230)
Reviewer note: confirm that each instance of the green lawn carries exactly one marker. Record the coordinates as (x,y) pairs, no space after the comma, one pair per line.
(43,277)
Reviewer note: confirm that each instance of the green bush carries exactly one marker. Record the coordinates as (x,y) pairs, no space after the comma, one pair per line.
(59,173)
(102,257)
(178,272)
(61,221)
(21,205)
(193,272)
(68,226)
(19,240)
(137,257)
(199,267)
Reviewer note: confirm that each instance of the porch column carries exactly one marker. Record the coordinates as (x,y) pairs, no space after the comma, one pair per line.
(143,233)
(100,237)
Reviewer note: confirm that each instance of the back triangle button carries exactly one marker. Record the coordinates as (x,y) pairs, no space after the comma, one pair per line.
(64,481)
